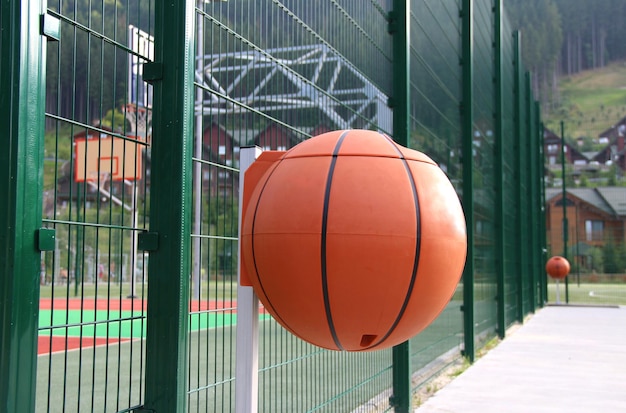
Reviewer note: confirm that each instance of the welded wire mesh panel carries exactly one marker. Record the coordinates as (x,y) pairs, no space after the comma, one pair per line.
(436,130)
(92,318)
(269,73)
(510,213)
(435,83)
(296,376)
(484,169)
(596,247)
(434,348)
(272,74)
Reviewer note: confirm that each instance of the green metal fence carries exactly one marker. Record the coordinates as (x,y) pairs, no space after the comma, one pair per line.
(120,256)
(93,286)
(587,229)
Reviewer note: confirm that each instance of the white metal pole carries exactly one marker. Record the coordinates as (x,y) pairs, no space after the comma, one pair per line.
(247,348)
(558,297)
(197,179)
(135,234)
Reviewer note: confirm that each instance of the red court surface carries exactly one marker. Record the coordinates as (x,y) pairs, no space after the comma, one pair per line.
(59,344)
(54,344)
(125,304)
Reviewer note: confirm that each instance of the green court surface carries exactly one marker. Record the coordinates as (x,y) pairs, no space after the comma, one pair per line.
(100,355)
(102,375)
(118,324)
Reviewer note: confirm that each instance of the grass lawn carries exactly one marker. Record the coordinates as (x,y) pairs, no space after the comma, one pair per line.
(592,101)
(589,293)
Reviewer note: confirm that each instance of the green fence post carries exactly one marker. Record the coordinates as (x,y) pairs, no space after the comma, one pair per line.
(401,397)
(539,248)
(499,168)
(399,27)
(529,198)
(537,173)
(518,92)
(543,232)
(22,69)
(530,182)
(170,207)
(467,113)
(564,199)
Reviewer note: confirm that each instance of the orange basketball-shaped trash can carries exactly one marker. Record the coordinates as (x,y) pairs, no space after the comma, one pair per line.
(351,241)
(557,267)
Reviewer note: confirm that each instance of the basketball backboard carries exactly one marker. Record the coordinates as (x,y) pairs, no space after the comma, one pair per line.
(117,158)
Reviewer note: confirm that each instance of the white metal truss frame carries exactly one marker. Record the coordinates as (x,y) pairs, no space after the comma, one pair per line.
(290,78)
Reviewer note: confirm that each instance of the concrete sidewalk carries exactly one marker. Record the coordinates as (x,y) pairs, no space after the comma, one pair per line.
(563,359)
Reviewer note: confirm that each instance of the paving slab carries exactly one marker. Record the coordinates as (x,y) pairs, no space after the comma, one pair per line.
(563,359)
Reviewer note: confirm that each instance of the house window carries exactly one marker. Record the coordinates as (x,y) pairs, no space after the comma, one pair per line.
(222,150)
(594,230)
(552,148)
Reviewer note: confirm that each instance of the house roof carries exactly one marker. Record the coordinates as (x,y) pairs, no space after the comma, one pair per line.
(613,128)
(615,197)
(611,200)
(552,138)
(548,134)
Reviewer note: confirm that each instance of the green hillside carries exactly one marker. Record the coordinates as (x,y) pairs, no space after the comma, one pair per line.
(591,101)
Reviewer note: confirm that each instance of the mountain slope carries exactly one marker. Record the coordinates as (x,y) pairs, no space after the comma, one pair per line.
(591,101)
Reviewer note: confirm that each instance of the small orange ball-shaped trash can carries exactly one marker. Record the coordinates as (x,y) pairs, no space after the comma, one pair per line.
(557,267)
(351,241)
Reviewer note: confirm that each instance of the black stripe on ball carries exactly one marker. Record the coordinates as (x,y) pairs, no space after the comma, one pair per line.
(416,256)
(329,182)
